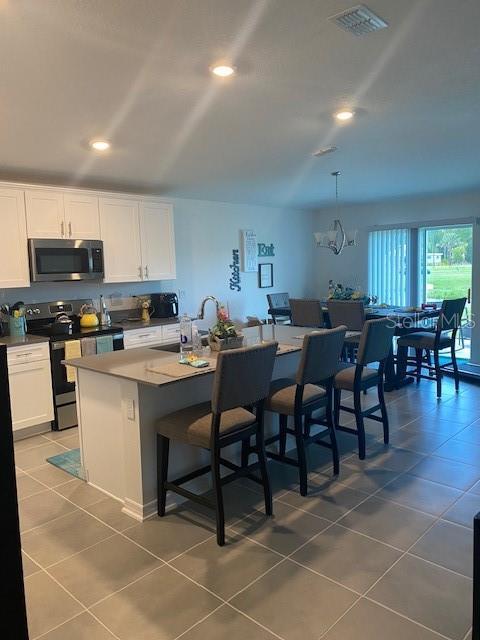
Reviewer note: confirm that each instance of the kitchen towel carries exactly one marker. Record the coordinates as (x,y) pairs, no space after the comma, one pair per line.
(73,349)
(89,346)
(104,344)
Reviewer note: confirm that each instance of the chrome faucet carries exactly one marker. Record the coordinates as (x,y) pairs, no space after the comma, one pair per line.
(201,311)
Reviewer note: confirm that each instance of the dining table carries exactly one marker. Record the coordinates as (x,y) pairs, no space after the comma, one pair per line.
(407,320)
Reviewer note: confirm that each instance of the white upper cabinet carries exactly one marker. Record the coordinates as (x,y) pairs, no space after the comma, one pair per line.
(120,232)
(14,270)
(158,241)
(57,214)
(45,213)
(82,221)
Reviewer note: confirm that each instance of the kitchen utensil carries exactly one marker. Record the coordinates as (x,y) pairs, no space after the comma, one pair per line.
(88,316)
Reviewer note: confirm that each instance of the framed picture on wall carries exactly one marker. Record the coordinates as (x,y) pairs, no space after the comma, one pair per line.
(265,275)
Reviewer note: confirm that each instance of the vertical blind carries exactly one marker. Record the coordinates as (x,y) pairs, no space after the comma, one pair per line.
(388,265)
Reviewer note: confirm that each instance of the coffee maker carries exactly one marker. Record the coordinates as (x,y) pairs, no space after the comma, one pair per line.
(164,305)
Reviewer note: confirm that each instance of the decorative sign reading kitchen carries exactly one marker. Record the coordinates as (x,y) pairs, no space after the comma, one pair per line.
(266,250)
(248,248)
(235,267)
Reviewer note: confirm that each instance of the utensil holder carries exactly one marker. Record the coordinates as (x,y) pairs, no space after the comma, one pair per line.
(17,327)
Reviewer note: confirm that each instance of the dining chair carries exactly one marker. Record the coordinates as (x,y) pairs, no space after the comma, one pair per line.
(307,312)
(373,349)
(350,313)
(279,307)
(301,397)
(443,336)
(236,411)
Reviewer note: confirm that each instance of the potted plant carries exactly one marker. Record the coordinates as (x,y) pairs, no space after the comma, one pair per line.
(223,335)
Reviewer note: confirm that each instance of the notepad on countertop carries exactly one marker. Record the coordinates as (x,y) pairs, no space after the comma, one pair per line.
(73,349)
(104,344)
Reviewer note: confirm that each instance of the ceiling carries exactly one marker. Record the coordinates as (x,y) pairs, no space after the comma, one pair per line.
(136,73)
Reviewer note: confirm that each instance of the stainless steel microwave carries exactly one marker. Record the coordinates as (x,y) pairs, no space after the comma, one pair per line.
(65,260)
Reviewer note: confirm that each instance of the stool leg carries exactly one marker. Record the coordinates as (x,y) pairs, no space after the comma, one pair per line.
(262,460)
(245,452)
(163,445)
(455,367)
(438,372)
(283,434)
(333,435)
(418,358)
(337,396)
(360,426)
(383,410)
(302,459)
(217,488)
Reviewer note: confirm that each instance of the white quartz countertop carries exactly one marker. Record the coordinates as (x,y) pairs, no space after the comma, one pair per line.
(20,341)
(137,364)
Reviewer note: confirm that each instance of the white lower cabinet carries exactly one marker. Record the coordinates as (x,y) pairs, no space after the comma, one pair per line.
(30,383)
(150,336)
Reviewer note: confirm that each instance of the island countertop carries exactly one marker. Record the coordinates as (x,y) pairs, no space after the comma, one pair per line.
(142,365)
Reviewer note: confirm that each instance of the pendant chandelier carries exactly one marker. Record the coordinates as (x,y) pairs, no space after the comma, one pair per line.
(336,239)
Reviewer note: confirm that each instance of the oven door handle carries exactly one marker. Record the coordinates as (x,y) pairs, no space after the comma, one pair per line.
(56,346)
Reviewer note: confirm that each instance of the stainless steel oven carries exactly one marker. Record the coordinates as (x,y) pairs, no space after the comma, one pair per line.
(64,391)
(65,260)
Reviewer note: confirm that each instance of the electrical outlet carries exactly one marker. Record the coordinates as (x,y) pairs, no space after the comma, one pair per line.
(130,407)
(182,294)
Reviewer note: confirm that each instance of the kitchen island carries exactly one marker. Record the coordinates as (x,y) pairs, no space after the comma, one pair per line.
(121,395)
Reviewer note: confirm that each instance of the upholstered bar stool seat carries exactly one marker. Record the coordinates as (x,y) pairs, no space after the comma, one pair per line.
(345,378)
(424,340)
(193,425)
(282,396)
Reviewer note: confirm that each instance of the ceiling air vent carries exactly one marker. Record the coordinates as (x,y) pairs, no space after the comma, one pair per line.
(359,20)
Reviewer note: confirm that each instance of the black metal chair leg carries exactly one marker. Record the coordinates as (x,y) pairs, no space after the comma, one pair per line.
(163,445)
(438,372)
(217,489)
(418,358)
(262,460)
(302,458)
(383,410)
(283,420)
(360,426)
(455,367)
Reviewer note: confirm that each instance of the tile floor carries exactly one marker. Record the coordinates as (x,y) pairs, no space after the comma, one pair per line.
(383,551)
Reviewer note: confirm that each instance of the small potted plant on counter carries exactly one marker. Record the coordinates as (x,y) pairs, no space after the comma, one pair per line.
(223,335)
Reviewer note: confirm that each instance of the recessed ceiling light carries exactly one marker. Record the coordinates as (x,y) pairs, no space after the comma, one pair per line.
(344,114)
(100,145)
(223,70)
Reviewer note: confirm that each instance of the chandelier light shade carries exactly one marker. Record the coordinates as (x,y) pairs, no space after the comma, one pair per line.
(336,239)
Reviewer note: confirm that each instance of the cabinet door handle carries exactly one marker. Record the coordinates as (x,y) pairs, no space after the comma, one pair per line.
(70,229)
(146,272)
(62,228)
(140,272)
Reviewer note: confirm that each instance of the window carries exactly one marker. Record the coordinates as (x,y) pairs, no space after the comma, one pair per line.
(388,266)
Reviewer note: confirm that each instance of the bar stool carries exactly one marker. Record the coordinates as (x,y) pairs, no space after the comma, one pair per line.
(443,337)
(307,312)
(303,396)
(374,347)
(242,379)
(279,307)
(350,313)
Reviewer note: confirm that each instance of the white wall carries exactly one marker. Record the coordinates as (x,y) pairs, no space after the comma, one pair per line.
(351,267)
(205,234)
